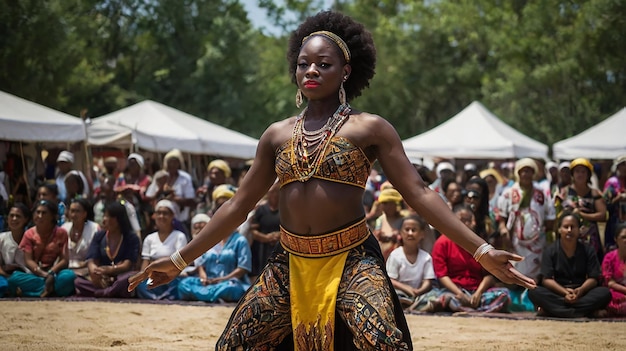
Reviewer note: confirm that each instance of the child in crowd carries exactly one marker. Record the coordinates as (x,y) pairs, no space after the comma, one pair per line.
(411,268)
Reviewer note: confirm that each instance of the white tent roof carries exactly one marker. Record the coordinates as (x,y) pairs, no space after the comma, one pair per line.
(474,132)
(161,128)
(23,120)
(606,140)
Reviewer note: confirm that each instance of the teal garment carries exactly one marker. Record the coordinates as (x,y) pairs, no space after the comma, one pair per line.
(32,285)
(520,302)
(4,286)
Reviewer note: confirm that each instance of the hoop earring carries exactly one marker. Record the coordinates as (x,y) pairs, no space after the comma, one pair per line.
(299,98)
(342,95)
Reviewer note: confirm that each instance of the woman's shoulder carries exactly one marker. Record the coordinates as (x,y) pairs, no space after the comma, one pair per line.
(425,254)
(179,234)
(92,226)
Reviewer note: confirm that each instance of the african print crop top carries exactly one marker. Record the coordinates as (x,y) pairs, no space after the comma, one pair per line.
(343,162)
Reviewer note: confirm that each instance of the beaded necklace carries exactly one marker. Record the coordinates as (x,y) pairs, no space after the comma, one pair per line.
(309,147)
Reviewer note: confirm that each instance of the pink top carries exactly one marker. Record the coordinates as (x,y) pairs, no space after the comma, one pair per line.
(54,248)
(613,268)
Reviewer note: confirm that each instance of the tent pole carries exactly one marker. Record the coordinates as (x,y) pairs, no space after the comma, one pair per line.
(24,171)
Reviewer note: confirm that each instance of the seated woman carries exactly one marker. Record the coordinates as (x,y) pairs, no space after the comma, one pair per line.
(197,223)
(411,268)
(466,285)
(81,229)
(570,271)
(223,270)
(112,255)
(162,243)
(46,257)
(614,272)
(11,257)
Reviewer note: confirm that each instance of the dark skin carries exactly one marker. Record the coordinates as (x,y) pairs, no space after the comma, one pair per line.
(101,274)
(17,222)
(569,232)
(318,206)
(45,222)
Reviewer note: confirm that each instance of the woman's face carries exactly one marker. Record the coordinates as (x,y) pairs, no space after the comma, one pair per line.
(217,176)
(109,222)
(467,217)
(77,213)
(320,68)
(196,228)
(44,193)
(133,166)
(453,193)
(580,174)
(472,199)
(43,216)
(491,183)
(173,164)
(71,185)
(17,220)
(389,207)
(411,233)
(163,217)
(569,229)
(526,175)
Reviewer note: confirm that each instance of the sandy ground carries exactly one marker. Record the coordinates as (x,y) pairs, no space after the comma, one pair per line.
(90,325)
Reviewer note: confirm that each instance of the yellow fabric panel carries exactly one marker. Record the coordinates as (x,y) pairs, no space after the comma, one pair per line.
(313,286)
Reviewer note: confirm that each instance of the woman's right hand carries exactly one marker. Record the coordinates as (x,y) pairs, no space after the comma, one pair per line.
(161,271)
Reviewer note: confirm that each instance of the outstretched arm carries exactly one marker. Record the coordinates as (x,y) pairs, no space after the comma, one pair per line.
(234,212)
(398,169)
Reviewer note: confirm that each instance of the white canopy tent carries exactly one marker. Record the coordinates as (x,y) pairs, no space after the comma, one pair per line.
(23,120)
(156,127)
(606,140)
(474,133)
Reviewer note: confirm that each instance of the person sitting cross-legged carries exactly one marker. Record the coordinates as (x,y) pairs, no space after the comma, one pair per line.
(571,272)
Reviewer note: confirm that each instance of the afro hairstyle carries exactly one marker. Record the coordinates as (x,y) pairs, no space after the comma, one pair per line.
(358,39)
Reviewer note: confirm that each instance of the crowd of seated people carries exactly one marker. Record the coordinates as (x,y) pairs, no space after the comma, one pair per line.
(86,238)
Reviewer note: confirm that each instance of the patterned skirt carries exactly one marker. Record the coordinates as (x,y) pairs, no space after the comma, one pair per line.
(331,293)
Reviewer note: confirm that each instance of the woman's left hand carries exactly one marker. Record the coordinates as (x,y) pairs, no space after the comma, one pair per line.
(161,271)
(497,262)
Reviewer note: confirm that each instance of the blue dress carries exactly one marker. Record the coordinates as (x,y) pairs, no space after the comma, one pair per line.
(218,262)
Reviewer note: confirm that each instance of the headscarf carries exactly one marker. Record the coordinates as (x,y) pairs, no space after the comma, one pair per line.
(221,165)
(581,162)
(223,190)
(390,195)
(492,172)
(176,154)
(200,218)
(168,204)
(137,157)
(524,162)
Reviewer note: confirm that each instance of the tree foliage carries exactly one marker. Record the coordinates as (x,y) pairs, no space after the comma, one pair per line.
(548,68)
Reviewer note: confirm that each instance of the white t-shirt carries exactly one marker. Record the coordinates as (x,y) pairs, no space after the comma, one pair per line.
(153,248)
(78,251)
(400,269)
(9,250)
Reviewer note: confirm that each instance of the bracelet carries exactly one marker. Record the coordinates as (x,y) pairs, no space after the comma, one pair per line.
(52,273)
(178,260)
(482,250)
